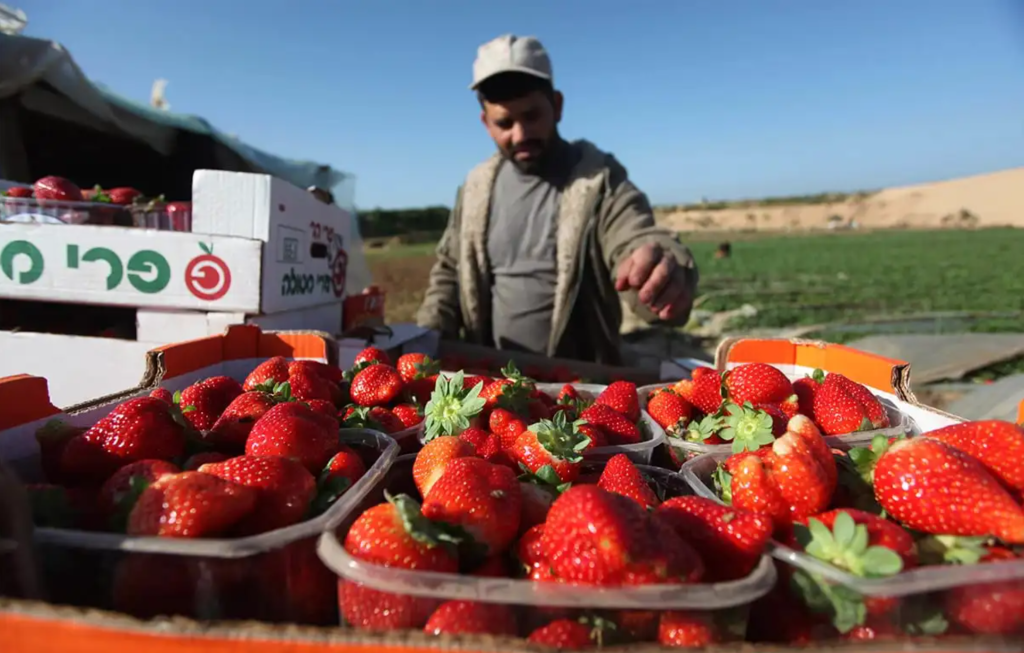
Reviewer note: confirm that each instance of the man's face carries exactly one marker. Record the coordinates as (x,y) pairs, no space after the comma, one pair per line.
(523,128)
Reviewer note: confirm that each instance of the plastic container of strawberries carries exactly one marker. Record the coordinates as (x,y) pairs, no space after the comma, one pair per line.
(640,453)
(32,211)
(684,450)
(926,600)
(727,603)
(273,576)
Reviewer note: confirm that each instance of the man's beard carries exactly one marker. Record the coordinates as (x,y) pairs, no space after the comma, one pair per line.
(541,151)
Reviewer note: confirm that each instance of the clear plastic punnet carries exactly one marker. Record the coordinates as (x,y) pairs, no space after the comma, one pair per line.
(33,211)
(683,450)
(725,605)
(274,576)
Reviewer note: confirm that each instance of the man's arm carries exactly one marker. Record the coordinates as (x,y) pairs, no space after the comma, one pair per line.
(440,308)
(626,223)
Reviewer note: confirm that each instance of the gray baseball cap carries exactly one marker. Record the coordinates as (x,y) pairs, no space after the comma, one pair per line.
(511,54)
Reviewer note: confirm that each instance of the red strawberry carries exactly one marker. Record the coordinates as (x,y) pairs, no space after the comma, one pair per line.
(18,191)
(988,608)
(757,383)
(805,389)
(190,504)
(488,446)
(929,486)
(123,196)
(327,372)
(837,411)
(409,414)
(506,425)
(164,394)
(785,481)
(597,437)
(873,408)
(564,635)
(196,461)
(307,386)
(621,476)
(994,443)
(480,497)
(284,489)
(432,459)
(597,537)
(704,391)
(451,407)
(376,385)
(418,391)
(52,437)
(323,407)
(294,430)
(802,427)
(203,402)
(393,534)
(372,355)
(472,618)
(138,429)
(730,540)
(553,444)
(378,418)
(568,394)
(617,428)
(512,392)
(621,396)
(58,189)
(689,629)
(670,411)
(271,371)
(417,366)
(346,464)
(232,428)
(116,493)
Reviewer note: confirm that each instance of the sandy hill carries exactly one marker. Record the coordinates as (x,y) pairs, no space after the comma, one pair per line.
(989,200)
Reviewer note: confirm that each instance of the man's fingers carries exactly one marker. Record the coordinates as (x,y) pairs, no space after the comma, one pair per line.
(656,280)
(672,299)
(644,261)
(622,277)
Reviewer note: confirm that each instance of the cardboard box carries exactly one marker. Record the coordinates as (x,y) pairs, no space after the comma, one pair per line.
(258,245)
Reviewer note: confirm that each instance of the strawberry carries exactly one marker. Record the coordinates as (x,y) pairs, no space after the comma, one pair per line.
(729,540)
(689,629)
(747,428)
(506,425)
(802,427)
(617,428)
(757,383)
(930,486)
(564,635)
(393,534)
(308,386)
(621,396)
(372,355)
(597,537)
(837,411)
(195,461)
(988,608)
(537,499)
(567,394)
(994,443)
(294,586)
(471,618)
(294,430)
(451,407)
(597,437)
(552,449)
(323,407)
(785,481)
(346,464)
(418,391)
(378,418)
(232,428)
(482,498)
(409,414)
(621,476)
(138,429)
(203,402)
(669,410)
(18,192)
(432,459)
(327,372)
(190,505)
(376,385)
(52,437)
(704,391)
(873,408)
(488,446)
(705,430)
(805,389)
(273,371)
(417,366)
(284,489)
(511,392)
(57,189)
(164,394)
(120,491)
(123,196)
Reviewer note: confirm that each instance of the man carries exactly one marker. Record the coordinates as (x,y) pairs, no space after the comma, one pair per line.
(546,235)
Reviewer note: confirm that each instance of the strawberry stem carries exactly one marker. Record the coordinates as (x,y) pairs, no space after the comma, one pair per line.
(451,406)
(747,428)
(562,439)
(846,546)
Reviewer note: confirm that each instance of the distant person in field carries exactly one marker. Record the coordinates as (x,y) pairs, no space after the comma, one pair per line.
(724,250)
(546,235)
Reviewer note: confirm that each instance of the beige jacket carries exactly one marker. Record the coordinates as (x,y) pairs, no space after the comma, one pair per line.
(602,219)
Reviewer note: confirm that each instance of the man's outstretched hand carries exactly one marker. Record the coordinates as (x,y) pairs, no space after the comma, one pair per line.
(659,280)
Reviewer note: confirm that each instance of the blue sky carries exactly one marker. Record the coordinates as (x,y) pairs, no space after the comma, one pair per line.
(712,98)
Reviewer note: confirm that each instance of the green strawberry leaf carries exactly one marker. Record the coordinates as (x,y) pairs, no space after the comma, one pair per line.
(844,607)
(880,561)
(329,490)
(846,546)
(747,428)
(723,484)
(951,549)
(700,431)
(922,617)
(818,376)
(451,406)
(176,397)
(419,527)
(560,438)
